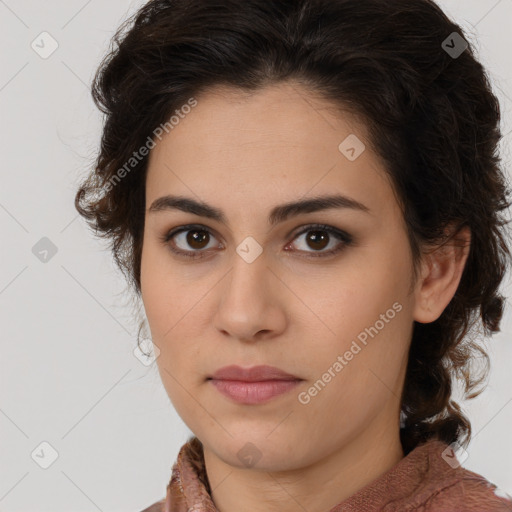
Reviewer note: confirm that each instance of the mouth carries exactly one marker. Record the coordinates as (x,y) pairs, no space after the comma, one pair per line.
(253,392)
(255,385)
(253,374)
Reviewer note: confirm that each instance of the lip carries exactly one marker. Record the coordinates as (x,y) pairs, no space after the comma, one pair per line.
(252,374)
(255,385)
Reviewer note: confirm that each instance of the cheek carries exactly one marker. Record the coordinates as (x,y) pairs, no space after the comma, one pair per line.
(357,298)
(157,290)
(365,320)
(170,307)
(354,374)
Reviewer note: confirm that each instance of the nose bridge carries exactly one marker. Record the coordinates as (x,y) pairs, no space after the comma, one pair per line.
(249,272)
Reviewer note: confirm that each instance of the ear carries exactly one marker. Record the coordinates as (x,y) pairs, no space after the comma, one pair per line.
(441,271)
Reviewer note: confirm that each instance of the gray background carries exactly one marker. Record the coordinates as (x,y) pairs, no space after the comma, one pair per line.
(68,373)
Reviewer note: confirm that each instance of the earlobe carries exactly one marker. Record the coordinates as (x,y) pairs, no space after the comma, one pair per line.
(441,272)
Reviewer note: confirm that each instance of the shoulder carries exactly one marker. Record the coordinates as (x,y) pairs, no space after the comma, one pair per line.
(158,506)
(468,492)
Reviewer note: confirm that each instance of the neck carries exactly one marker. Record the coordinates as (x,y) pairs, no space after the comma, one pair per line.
(317,487)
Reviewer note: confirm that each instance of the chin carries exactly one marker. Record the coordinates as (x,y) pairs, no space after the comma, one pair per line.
(258,450)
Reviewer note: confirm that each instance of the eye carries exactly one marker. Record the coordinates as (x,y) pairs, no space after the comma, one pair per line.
(196,237)
(320,236)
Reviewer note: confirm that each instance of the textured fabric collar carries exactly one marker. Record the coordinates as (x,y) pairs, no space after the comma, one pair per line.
(423,480)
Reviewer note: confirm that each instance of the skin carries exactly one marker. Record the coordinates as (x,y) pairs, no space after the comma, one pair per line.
(245,154)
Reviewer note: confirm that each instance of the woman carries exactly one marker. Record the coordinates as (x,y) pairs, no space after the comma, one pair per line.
(307,198)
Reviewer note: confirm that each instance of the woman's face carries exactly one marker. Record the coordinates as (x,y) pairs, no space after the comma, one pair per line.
(271,289)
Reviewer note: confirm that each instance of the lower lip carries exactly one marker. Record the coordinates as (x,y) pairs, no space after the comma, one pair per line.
(253,392)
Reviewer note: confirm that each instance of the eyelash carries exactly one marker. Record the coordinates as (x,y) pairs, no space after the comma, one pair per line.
(344,237)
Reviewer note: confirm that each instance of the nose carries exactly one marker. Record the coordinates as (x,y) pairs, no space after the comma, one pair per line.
(251,301)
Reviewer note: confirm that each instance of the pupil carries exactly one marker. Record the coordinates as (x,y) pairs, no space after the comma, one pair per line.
(194,238)
(317,237)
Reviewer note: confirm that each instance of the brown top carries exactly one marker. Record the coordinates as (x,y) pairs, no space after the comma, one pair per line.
(427,479)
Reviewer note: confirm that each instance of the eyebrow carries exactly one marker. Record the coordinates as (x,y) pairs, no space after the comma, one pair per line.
(278,214)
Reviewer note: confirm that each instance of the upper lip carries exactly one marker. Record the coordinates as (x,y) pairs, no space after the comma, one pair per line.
(252,374)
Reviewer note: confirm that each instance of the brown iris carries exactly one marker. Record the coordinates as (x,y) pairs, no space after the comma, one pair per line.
(197,237)
(317,239)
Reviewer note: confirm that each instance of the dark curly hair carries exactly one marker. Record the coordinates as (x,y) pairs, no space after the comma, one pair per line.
(432,118)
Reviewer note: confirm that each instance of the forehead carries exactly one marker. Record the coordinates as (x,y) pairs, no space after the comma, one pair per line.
(276,117)
(265,147)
